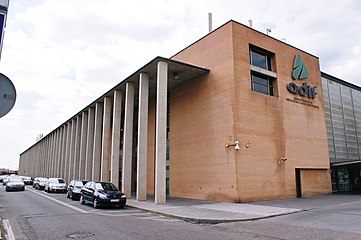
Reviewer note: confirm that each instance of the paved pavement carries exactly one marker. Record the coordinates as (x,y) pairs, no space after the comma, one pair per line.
(215,212)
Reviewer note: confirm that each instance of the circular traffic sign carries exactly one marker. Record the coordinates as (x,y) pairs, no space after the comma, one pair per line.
(7,95)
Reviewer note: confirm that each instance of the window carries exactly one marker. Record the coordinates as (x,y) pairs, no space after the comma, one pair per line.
(262,75)
(261,60)
(262,84)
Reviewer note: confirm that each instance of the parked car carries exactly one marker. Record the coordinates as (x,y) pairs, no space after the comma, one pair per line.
(5,180)
(27,180)
(102,194)
(15,183)
(2,177)
(39,183)
(74,187)
(55,185)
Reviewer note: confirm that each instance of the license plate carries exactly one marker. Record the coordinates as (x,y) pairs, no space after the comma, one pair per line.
(114,200)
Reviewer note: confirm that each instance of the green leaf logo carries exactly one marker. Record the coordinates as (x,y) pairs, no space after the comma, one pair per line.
(299,69)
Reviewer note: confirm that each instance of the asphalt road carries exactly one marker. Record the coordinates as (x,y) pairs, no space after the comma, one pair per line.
(35,214)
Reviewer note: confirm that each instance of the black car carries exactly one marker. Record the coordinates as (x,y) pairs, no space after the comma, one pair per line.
(102,194)
(74,187)
(27,180)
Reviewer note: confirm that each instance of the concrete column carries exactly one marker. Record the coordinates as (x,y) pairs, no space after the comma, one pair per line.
(50,140)
(38,166)
(106,137)
(63,152)
(117,112)
(83,141)
(40,160)
(46,160)
(48,152)
(142,137)
(67,152)
(97,145)
(58,151)
(160,135)
(77,148)
(72,151)
(89,145)
(55,153)
(52,155)
(60,145)
(34,159)
(128,140)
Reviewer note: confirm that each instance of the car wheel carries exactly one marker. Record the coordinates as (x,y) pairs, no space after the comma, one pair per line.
(82,199)
(67,194)
(95,203)
(23,189)
(72,196)
(7,189)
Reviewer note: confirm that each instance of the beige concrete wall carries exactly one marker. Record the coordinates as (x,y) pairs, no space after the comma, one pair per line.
(313,182)
(209,112)
(151,146)
(201,123)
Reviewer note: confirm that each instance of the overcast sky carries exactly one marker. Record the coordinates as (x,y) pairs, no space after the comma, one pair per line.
(62,55)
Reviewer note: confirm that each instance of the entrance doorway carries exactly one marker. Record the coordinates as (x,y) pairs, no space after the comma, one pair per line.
(298,183)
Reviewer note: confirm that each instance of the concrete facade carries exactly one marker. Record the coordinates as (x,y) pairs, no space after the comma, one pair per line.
(231,111)
(183,120)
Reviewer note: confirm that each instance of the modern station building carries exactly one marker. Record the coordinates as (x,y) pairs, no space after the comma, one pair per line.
(343,121)
(237,116)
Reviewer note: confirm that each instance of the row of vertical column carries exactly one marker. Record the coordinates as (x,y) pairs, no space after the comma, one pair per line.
(88,145)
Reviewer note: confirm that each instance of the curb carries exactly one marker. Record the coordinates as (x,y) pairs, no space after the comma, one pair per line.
(212,221)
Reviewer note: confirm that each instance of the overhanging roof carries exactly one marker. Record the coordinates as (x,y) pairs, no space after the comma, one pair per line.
(185,72)
(348,163)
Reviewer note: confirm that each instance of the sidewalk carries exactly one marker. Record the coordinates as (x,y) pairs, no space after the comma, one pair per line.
(210,212)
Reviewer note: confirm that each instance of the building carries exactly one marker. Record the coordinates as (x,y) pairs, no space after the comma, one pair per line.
(237,116)
(343,120)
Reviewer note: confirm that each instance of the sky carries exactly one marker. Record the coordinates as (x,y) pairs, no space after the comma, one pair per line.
(62,55)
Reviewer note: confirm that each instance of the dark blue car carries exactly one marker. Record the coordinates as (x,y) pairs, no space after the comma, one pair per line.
(102,194)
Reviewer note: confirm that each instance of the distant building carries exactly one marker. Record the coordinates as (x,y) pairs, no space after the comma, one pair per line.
(237,116)
(5,171)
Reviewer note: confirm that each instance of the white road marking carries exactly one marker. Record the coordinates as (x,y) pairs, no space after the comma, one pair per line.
(60,202)
(351,203)
(9,232)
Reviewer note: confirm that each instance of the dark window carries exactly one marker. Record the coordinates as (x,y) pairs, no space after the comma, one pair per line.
(262,84)
(264,76)
(262,59)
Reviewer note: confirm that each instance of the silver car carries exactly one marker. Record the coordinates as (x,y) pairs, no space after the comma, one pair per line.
(15,184)
(55,185)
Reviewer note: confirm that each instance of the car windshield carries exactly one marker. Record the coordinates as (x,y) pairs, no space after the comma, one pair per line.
(78,184)
(106,187)
(56,180)
(43,180)
(15,180)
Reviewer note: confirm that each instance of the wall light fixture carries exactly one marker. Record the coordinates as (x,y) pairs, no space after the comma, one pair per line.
(236,145)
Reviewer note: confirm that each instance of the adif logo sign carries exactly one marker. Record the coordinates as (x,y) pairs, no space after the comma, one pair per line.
(300,72)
